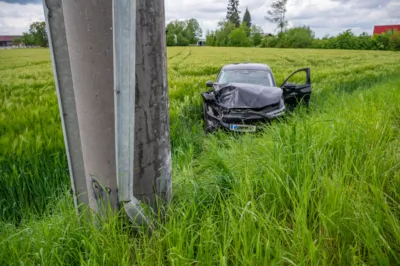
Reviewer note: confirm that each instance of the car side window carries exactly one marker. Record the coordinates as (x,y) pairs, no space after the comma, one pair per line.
(222,78)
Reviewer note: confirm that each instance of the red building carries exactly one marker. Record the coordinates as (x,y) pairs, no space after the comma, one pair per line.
(383,28)
(7,40)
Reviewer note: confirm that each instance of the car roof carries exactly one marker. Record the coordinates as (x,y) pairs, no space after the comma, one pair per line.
(246,66)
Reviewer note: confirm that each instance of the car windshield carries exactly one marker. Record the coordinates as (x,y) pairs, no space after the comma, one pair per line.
(257,77)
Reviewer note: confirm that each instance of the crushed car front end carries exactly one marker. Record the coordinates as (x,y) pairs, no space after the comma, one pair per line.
(233,115)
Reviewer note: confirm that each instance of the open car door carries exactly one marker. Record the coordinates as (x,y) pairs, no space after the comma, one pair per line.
(298,92)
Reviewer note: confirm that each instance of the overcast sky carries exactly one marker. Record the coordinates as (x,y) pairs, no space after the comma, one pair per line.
(323,16)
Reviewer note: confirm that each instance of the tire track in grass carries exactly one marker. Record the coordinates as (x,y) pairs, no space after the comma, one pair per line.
(179,56)
(175,55)
(175,64)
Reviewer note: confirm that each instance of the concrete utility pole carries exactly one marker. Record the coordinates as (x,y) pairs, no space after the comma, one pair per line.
(152,132)
(111,81)
(88,26)
(66,98)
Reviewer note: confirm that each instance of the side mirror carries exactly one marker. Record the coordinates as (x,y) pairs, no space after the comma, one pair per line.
(209,83)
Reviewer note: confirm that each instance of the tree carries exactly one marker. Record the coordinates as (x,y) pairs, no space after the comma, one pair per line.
(210,38)
(37,35)
(239,38)
(17,41)
(277,14)
(171,39)
(246,28)
(394,40)
(193,31)
(381,41)
(365,41)
(233,12)
(175,34)
(27,39)
(346,40)
(247,18)
(299,37)
(256,35)
(222,33)
(183,33)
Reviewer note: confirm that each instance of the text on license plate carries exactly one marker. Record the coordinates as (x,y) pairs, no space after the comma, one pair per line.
(242,128)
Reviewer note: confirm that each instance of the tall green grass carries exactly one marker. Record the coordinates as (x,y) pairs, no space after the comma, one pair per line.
(32,157)
(320,187)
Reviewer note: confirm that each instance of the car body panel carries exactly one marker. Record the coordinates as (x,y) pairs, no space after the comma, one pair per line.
(296,93)
(247,96)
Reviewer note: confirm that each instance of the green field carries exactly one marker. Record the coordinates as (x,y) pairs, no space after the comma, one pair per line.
(321,187)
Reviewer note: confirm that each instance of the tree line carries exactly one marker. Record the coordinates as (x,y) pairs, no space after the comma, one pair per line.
(241,32)
(303,37)
(36,35)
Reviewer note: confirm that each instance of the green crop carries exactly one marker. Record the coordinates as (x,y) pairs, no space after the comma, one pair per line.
(321,187)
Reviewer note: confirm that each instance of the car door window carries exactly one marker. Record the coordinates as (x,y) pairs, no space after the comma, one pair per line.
(298,77)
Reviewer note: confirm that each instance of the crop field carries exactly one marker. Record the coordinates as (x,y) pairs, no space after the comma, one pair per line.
(321,187)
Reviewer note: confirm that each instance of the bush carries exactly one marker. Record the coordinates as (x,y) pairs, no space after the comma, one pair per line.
(238,38)
(299,37)
(346,40)
(269,41)
(394,41)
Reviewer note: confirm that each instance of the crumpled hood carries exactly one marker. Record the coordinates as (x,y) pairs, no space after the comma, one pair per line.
(237,95)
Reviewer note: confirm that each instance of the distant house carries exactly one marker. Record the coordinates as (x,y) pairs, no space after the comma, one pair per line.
(201,42)
(383,28)
(267,35)
(6,41)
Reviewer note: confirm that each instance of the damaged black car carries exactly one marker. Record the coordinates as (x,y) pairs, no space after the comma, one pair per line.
(246,94)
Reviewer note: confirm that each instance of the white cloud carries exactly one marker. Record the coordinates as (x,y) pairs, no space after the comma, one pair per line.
(16,18)
(323,16)
(335,16)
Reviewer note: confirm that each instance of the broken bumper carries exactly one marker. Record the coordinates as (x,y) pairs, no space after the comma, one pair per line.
(244,122)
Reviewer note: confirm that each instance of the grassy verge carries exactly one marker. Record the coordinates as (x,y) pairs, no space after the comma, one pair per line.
(321,187)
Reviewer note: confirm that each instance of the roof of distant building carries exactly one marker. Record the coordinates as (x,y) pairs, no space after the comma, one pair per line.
(379,29)
(8,38)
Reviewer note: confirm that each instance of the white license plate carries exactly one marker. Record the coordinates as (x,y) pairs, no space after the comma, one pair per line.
(242,128)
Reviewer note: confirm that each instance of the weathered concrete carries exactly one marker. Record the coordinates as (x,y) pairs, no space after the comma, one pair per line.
(152,133)
(66,98)
(90,44)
